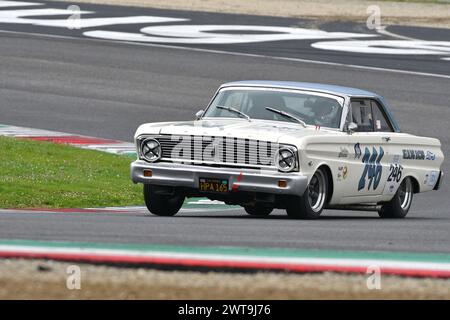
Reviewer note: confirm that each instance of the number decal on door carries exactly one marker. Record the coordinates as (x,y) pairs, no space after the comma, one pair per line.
(395,173)
(372,169)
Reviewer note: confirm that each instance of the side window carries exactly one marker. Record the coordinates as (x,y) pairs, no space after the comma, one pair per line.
(381,123)
(362,115)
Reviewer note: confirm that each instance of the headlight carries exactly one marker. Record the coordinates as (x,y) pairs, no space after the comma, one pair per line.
(286,159)
(150,150)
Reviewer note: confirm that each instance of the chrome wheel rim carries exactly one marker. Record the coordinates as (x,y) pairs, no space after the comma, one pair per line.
(316,191)
(405,194)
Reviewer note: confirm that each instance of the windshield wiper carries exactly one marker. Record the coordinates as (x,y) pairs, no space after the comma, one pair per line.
(231,109)
(287,115)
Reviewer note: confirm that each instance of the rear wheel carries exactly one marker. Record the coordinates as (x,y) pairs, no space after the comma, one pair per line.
(311,203)
(160,204)
(399,205)
(258,210)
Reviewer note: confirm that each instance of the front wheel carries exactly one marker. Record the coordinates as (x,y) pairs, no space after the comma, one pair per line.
(161,205)
(399,205)
(311,203)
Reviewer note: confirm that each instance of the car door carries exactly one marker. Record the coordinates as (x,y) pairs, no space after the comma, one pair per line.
(368,164)
(392,148)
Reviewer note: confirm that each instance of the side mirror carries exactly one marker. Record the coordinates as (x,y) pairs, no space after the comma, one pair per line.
(198,114)
(352,127)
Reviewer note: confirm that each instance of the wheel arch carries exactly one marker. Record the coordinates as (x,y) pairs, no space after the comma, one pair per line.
(330,183)
(415,183)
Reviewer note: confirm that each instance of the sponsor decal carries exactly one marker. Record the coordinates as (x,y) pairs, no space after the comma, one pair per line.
(396,158)
(235,186)
(372,169)
(357,148)
(430,156)
(411,154)
(433,178)
(343,153)
(342,173)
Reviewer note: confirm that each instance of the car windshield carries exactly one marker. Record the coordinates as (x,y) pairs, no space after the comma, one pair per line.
(278,105)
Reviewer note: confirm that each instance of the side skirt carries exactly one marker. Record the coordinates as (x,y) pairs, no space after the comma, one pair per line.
(355,207)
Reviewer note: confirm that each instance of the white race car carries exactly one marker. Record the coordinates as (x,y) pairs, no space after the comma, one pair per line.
(297,146)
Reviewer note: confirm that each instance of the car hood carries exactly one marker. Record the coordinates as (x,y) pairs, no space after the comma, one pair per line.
(274,131)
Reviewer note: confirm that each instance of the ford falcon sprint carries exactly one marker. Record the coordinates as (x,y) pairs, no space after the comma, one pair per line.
(302,147)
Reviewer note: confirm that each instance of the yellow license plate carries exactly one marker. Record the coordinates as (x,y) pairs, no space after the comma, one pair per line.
(213,185)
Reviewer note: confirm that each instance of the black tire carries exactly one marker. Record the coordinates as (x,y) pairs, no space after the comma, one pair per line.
(162,205)
(311,203)
(258,211)
(399,205)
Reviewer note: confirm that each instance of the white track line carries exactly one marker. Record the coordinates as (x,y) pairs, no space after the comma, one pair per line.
(353,66)
(382,30)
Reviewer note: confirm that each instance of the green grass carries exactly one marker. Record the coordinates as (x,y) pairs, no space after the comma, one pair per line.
(45,175)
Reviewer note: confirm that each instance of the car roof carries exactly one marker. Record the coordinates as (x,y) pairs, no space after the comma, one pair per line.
(309,86)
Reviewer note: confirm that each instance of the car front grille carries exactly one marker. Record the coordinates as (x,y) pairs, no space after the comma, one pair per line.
(217,150)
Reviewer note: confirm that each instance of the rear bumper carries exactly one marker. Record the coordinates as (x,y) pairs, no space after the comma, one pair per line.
(180,175)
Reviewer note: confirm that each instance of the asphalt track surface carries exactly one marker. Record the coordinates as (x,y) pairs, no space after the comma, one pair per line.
(107,89)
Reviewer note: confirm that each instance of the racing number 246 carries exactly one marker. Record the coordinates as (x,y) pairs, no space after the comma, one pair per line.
(395,173)
(372,169)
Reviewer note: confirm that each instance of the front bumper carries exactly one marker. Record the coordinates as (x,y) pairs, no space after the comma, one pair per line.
(181,175)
